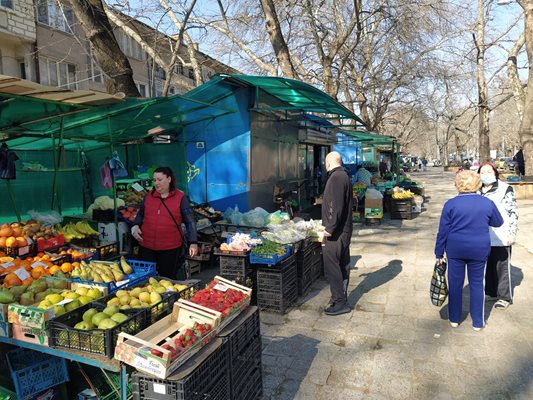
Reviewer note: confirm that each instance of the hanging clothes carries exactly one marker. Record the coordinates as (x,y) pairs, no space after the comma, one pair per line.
(116,166)
(105,176)
(7,163)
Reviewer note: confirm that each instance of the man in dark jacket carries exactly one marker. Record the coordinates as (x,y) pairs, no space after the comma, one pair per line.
(337,222)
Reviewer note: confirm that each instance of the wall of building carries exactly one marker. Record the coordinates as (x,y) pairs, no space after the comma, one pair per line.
(18,21)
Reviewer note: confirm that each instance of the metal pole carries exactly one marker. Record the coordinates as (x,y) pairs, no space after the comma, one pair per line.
(12,196)
(115,212)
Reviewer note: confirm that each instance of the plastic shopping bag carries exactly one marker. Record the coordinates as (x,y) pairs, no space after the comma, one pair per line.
(438,289)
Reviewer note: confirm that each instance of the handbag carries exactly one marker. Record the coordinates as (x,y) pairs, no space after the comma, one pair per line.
(438,290)
(184,244)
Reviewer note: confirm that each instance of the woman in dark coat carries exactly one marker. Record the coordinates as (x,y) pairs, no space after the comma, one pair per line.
(464,237)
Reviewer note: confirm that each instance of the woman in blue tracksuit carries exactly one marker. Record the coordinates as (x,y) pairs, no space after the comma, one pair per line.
(464,236)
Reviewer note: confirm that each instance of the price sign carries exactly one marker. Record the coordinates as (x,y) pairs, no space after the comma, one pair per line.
(22,274)
(221,287)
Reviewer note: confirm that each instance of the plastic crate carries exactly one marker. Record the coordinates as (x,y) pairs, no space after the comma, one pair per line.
(270,259)
(105,384)
(62,333)
(232,267)
(253,390)
(25,251)
(207,379)
(317,270)
(304,281)
(277,290)
(104,215)
(33,371)
(243,368)
(204,252)
(236,340)
(106,251)
(6,394)
(142,270)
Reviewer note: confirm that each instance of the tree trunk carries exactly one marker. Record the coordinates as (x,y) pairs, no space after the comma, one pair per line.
(519,93)
(278,41)
(117,70)
(526,127)
(483,128)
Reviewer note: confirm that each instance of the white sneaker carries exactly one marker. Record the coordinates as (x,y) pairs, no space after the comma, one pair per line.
(476,328)
(501,304)
(454,324)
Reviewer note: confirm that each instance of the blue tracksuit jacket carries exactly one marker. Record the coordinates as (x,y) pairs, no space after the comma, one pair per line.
(464,227)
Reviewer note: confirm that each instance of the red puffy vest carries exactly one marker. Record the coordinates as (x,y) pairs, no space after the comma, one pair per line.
(159,231)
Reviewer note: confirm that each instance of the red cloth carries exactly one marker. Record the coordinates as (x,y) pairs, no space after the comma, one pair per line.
(159,232)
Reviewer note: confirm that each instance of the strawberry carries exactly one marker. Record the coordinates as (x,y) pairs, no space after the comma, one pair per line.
(156,352)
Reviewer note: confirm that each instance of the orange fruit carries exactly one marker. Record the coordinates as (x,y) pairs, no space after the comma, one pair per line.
(11,241)
(67,267)
(12,280)
(27,281)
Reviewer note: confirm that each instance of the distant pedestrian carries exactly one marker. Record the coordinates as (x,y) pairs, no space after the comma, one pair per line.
(419,161)
(424,164)
(337,221)
(363,176)
(519,158)
(382,168)
(498,273)
(464,237)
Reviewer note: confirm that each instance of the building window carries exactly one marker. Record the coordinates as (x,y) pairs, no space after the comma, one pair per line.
(55,15)
(179,68)
(22,66)
(191,74)
(160,73)
(6,3)
(129,46)
(57,73)
(171,90)
(142,89)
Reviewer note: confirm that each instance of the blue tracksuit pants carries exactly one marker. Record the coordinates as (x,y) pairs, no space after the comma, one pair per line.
(476,282)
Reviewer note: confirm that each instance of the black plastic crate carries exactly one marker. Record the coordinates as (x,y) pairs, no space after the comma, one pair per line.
(104,215)
(62,333)
(274,278)
(278,302)
(304,281)
(241,332)
(243,367)
(254,387)
(317,269)
(204,376)
(234,266)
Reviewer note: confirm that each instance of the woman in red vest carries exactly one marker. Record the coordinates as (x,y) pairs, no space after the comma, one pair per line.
(158,226)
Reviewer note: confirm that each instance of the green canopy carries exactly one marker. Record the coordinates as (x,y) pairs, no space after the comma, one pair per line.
(31,123)
(371,137)
(295,95)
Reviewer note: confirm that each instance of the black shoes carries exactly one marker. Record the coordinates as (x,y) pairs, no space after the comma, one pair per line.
(337,309)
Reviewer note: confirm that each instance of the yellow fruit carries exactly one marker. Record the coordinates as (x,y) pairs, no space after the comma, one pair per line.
(114,302)
(135,292)
(144,297)
(155,298)
(82,291)
(54,298)
(94,293)
(124,299)
(85,300)
(135,302)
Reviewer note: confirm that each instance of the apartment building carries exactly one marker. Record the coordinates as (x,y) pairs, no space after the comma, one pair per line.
(41,40)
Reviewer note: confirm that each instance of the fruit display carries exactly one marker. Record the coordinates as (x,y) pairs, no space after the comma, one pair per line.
(240,242)
(102,271)
(268,247)
(78,230)
(168,343)
(128,213)
(17,271)
(108,318)
(399,193)
(223,296)
(15,235)
(68,300)
(131,196)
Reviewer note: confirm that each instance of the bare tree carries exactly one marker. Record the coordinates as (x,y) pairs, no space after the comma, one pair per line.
(115,65)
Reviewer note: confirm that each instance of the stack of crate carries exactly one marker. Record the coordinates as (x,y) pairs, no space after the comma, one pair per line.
(277,287)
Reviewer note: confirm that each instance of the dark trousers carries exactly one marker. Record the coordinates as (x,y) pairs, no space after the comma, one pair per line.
(476,283)
(170,263)
(498,274)
(336,254)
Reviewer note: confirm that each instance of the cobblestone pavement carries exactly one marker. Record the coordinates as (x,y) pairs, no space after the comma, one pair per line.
(395,344)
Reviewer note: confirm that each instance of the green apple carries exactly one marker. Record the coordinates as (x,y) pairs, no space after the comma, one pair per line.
(119,317)
(111,309)
(72,305)
(58,310)
(71,295)
(88,315)
(85,300)
(83,325)
(82,291)
(98,317)
(106,323)
(94,293)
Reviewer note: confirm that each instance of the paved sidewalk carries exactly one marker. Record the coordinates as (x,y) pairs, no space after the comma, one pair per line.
(395,344)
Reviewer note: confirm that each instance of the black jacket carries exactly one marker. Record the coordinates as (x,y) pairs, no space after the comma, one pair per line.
(337,203)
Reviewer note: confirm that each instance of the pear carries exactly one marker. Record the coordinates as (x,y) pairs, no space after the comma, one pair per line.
(119,276)
(121,293)
(27,299)
(97,277)
(155,298)
(125,266)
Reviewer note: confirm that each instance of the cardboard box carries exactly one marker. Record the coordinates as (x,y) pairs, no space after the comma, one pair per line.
(3,312)
(137,350)
(29,316)
(373,208)
(30,334)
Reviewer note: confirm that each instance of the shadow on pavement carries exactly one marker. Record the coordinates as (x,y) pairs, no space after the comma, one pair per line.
(286,363)
(353,262)
(375,279)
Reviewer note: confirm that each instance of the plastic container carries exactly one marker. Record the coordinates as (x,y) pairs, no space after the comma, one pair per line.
(142,270)
(62,333)
(237,339)
(205,379)
(277,289)
(232,267)
(6,394)
(270,259)
(33,371)
(244,367)
(105,385)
